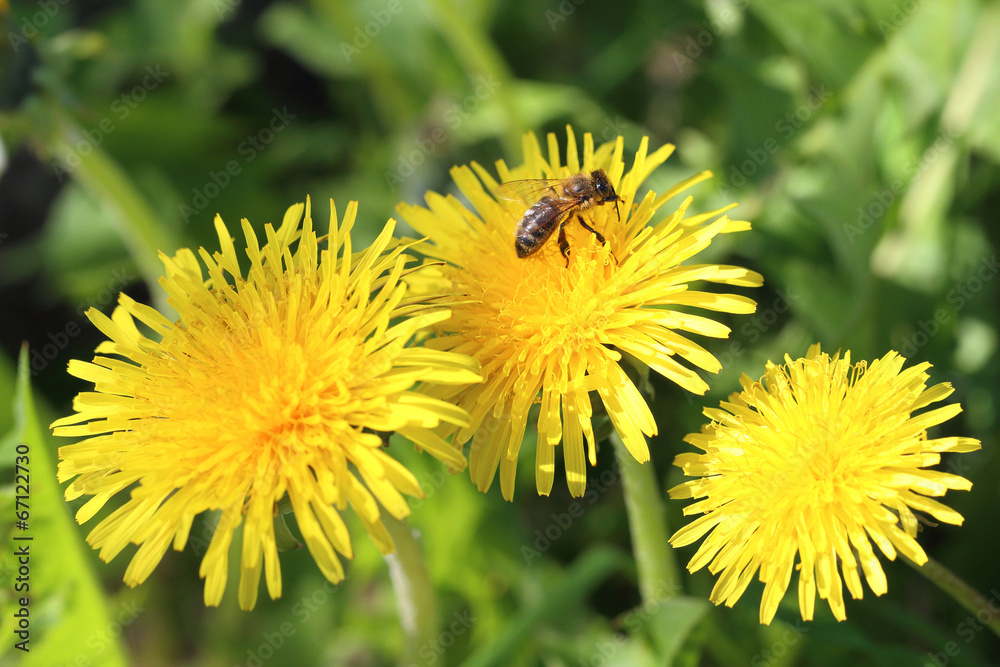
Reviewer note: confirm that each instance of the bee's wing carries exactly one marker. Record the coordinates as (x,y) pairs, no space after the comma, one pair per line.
(529,190)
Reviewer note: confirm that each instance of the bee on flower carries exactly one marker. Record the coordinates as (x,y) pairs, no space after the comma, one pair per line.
(551,322)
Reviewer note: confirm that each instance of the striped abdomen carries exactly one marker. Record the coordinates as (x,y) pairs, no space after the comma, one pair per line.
(536,226)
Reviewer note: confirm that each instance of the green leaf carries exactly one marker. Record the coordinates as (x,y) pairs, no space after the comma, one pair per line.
(68,614)
(670,621)
(832,39)
(590,569)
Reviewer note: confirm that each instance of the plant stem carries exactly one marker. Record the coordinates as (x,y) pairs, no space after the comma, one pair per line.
(655,562)
(964,594)
(415,595)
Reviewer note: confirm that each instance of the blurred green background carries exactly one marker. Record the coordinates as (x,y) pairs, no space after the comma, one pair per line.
(860,137)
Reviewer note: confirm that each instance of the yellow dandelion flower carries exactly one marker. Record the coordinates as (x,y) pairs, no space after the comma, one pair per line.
(270,383)
(549,333)
(821,459)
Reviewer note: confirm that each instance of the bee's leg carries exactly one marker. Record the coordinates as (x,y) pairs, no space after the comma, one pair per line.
(563,242)
(590,229)
(600,237)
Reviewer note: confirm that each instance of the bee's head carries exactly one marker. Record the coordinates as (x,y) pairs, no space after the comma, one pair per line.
(605,191)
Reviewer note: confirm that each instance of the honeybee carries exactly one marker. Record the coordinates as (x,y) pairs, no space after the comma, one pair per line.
(560,199)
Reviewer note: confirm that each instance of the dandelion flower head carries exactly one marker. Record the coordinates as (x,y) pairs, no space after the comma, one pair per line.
(271,382)
(550,334)
(816,462)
